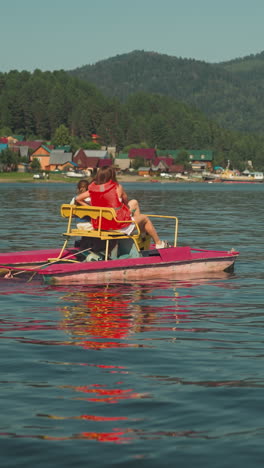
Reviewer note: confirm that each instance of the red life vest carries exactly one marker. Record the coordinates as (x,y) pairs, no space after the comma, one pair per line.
(105,195)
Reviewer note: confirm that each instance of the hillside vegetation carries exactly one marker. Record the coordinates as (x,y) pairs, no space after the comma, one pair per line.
(36,104)
(230,93)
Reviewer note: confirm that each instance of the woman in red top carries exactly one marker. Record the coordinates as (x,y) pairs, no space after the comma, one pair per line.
(105,191)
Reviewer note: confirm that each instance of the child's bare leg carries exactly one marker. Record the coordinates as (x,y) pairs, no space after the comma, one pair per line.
(145,225)
(134,207)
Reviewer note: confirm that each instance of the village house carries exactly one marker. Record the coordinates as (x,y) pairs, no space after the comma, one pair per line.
(84,162)
(105,162)
(201,160)
(65,148)
(122,162)
(168,161)
(102,154)
(176,169)
(148,154)
(43,155)
(25,148)
(12,140)
(110,149)
(23,151)
(162,164)
(60,160)
(3,146)
(23,167)
(144,171)
(91,160)
(159,166)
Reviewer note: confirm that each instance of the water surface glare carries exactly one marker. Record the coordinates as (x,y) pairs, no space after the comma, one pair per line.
(145,374)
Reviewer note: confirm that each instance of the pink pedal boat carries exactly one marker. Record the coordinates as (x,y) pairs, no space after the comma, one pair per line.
(111,256)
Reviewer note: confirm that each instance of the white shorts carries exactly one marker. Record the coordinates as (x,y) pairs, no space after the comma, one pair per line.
(89,227)
(127,230)
(84,226)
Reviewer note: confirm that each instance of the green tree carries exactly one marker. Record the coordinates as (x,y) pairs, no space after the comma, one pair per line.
(8,160)
(5,131)
(183,158)
(62,136)
(35,165)
(138,162)
(57,106)
(91,145)
(159,132)
(127,148)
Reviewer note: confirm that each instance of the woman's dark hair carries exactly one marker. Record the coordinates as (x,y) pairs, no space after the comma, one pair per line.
(104,174)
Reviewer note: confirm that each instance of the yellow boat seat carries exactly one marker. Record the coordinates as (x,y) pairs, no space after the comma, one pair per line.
(95,212)
(71,212)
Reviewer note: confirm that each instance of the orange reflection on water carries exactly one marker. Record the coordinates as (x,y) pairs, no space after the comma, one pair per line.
(106,395)
(99,314)
(115,436)
(88,417)
(91,417)
(107,317)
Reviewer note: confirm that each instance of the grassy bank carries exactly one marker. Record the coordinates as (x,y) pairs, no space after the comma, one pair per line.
(25,177)
(9,177)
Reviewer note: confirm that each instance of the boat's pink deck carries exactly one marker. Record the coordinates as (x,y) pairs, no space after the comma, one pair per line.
(31,256)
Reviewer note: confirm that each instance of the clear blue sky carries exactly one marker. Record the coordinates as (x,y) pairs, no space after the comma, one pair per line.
(65,34)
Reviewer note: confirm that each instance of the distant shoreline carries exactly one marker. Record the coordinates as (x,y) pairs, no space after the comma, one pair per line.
(120,178)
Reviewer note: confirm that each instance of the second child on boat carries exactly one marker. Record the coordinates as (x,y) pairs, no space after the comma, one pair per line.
(82,223)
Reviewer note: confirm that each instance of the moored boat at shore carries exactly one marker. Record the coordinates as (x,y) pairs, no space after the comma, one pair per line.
(250,177)
(234,176)
(73,174)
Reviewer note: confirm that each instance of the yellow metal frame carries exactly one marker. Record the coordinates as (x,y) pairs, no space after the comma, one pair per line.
(176,225)
(94,212)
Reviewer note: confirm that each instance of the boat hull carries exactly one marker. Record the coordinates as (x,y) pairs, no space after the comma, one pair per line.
(168,271)
(170,263)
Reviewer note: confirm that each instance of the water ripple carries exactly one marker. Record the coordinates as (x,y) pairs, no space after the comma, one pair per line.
(152,371)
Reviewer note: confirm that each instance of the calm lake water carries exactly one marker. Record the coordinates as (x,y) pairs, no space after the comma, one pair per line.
(147,375)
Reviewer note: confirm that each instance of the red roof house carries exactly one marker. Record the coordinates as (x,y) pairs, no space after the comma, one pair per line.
(84,162)
(34,145)
(145,153)
(168,161)
(105,162)
(176,168)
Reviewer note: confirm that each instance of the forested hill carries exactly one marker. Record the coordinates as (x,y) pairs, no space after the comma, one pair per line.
(231,93)
(36,104)
(251,66)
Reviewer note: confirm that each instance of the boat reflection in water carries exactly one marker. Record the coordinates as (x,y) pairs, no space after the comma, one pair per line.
(98,319)
(95,319)
(96,313)
(112,316)
(117,319)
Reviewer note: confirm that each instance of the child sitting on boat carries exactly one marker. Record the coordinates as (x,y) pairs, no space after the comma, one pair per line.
(105,191)
(82,223)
